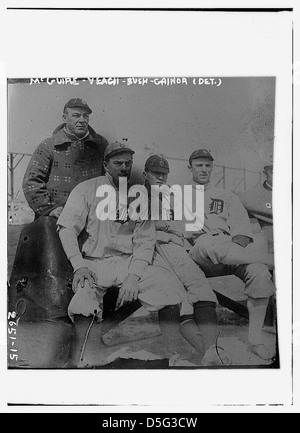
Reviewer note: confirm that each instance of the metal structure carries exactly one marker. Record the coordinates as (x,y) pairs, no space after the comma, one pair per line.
(13,160)
(220,176)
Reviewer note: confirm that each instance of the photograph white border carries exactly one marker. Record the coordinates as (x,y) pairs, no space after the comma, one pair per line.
(149,44)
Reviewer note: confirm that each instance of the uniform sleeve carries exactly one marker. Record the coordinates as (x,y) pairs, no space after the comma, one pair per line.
(143,247)
(162,237)
(36,178)
(76,209)
(176,228)
(70,245)
(258,203)
(238,220)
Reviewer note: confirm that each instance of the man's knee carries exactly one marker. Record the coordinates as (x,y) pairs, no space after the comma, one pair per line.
(210,248)
(174,288)
(258,271)
(258,281)
(160,288)
(199,252)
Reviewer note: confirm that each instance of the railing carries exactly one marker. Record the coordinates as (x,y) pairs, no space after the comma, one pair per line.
(235,179)
(13,160)
(223,176)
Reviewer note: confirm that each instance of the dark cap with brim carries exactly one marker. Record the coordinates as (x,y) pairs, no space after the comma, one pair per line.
(78,102)
(158,164)
(115,148)
(201,153)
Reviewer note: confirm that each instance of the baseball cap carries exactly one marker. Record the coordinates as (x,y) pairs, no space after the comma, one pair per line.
(77,102)
(115,148)
(268,165)
(157,163)
(200,153)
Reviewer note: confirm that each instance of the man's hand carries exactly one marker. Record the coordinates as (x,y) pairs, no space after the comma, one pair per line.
(56,212)
(81,275)
(129,290)
(176,240)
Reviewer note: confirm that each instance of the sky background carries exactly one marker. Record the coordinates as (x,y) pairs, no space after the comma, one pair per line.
(235,120)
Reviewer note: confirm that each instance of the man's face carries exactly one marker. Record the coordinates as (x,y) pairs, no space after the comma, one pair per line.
(119,165)
(155,178)
(201,170)
(269,175)
(77,120)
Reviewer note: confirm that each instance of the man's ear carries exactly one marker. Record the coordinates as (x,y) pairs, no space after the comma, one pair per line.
(64,117)
(105,165)
(144,175)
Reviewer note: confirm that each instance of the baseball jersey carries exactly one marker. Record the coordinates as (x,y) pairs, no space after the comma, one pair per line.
(258,203)
(107,238)
(223,213)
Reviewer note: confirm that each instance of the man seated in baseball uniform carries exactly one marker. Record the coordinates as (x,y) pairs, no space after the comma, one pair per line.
(221,246)
(198,312)
(119,251)
(258,202)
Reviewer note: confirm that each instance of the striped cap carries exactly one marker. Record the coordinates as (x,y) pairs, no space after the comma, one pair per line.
(157,163)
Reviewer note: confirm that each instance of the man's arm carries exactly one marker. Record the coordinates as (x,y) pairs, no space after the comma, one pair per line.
(69,242)
(258,203)
(36,178)
(143,248)
(239,222)
(164,237)
(70,224)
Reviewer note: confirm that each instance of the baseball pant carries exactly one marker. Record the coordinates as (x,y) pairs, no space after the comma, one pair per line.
(158,287)
(196,285)
(210,253)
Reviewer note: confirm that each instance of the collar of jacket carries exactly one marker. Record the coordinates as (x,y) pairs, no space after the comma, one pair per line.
(60,137)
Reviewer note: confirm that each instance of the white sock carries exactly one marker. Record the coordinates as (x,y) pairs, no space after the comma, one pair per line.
(257,312)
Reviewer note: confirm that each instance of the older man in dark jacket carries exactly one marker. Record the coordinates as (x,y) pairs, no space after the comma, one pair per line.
(73,154)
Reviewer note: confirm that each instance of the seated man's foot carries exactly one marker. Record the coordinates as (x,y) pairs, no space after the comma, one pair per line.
(262,351)
(180,361)
(216,356)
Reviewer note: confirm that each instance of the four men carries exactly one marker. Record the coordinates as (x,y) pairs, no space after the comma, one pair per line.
(146,261)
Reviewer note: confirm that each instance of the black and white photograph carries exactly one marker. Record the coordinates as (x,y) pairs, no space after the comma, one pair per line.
(90,292)
(145,205)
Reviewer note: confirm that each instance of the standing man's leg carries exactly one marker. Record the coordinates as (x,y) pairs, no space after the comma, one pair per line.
(169,323)
(162,292)
(259,288)
(198,312)
(212,253)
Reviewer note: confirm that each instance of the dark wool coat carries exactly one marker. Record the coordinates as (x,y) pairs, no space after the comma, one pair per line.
(58,164)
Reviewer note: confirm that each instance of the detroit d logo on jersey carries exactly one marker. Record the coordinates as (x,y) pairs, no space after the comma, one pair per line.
(216,206)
